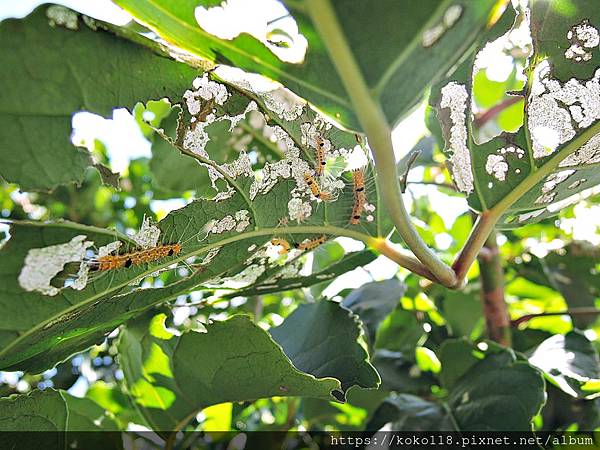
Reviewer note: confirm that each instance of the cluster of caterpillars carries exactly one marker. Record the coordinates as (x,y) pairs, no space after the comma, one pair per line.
(358,180)
(111,262)
(126,260)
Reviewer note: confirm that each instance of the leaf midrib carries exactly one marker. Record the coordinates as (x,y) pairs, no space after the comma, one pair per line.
(238,237)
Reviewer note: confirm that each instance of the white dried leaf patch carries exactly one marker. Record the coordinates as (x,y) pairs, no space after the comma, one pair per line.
(589,153)
(547,197)
(109,248)
(204,89)
(583,37)
(454,97)
(43,264)
(551,124)
(530,215)
(496,165)
(148,235)
(555,179)
(62,17)
(576,184)
(240,222)
(435,33)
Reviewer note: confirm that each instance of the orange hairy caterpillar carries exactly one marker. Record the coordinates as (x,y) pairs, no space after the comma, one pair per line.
(360,197)
(321,162)
(111,262)
(311,244)
(285,245)
(315,189)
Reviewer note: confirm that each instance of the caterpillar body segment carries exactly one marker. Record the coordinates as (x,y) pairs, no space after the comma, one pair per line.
(321,155)
(360,196)
(315,189)
(285,245)
(311,244)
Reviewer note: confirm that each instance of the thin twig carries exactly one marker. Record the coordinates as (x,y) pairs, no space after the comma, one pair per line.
(584,311)
(487,115)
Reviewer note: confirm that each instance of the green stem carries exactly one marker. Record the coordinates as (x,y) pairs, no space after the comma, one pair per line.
(378,132)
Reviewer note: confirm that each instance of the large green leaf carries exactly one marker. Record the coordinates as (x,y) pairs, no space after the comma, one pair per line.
(170,377)
(498,393)
(67,422)
(232,231)
(431,36)
(570,362)
(48,74)
(531,174)
(321,339)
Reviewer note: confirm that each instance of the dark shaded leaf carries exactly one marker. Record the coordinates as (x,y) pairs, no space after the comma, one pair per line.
(570,362)
(373,302)
(321,339)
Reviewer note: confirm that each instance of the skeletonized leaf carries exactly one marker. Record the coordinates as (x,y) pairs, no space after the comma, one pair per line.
(224,242)
(531,174)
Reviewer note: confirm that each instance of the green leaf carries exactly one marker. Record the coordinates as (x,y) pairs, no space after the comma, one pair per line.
(388,69)
(226,239)
(321,339)
(112,399)
(498,393)
(373,302)
(573,273)
(51,73)
(400,331)
(462,310)
(170,377)
(45,411)
(172,170)
(457,357)
(400,372)
(410,413)
(570,362)
(67,422)
(533,173)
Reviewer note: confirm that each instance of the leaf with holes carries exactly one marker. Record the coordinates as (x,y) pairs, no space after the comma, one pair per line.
(433,37)
(220,243)
(531,174)
(43,88)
